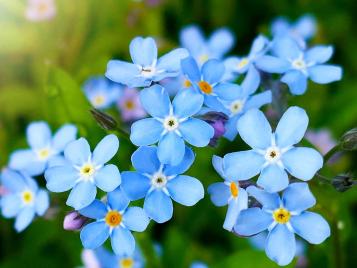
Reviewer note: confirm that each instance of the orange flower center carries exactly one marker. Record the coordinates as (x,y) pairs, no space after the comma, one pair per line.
(281,215)
(205,87)
(234,189)
(113,218)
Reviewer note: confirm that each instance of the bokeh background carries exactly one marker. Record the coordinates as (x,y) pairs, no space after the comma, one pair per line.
(43,65)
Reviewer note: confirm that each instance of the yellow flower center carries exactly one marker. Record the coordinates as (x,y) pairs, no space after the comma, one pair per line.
(243,63)
(205,87)
(113,218)
(129,105)
(126,263)
(203,58)
(87,170)
(234,189)
(281,215)
(98,100)
(27,197)
(43,154)
(187,83)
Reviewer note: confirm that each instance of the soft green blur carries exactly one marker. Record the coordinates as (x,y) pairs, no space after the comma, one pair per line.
(43,64)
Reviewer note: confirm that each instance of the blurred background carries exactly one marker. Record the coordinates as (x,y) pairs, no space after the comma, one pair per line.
(44,63)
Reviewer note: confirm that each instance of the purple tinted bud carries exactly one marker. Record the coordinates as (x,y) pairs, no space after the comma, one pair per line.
(217,121)
(74,221)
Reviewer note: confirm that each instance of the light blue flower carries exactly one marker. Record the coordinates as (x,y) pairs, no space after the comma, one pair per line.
(84,171)
(227,193)
(208,80)
(219,43)
(23,198)
(43,148)
(245,101)
(198,264)
(298,65)
(283,218)
(273,154)
(101,92)
(172,124)
(146,68)
(115,220)
(301,30)
(159,183)
(239,65)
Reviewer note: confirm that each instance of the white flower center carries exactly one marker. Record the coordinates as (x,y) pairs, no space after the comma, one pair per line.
(171,123)
(44,153)
(87,171)
(98,100)
(299,64)
(272,154)
(158,180)
(148,71)
(236,106)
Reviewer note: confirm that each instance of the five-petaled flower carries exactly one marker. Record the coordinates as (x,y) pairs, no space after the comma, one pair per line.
(159,183)
(83,171)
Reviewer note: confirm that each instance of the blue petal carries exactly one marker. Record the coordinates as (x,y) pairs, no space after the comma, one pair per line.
(286,48)
(251,82)
(27,161)
(258,45)
(258,100)
(252,221)
(311,226)
(212,71)
(42,202)
(219,193)
(187,103)
(57,160)
(135,185)
(12,180)
(220,42)
(191,38)
(143,51)
(324,74)
(38,135)
(190,69)
(183,166)
(24,218)
(254,129)
(11,205)
(63,136)
(155,101)
(185,190)
(118,200)
(228,91)
(243,165)
(231,127)
(171,149)
(302,162)
(125,73)
(298,197)
(123,242)
(107,178)
(82,194)
(273,178)
(269,201)
(217,163)
(94,234)
(196,132)
(234,209)
(296,81)
(146,131)
(291,127)
(135,219)
(158,206)
(281,245)
(96,210)
(61,178)
(319,54)
(105,149)
(78,152)
(145,160)
(171,62)
(272,64)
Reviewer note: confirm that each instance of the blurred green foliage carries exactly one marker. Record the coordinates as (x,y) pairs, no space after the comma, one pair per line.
(44,63)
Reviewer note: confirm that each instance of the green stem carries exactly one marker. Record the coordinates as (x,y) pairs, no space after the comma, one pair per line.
(330,153)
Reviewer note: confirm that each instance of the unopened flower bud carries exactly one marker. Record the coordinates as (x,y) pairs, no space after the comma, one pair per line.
(217,121)
(104,120)
(343,182)
(349,140)
(74,221)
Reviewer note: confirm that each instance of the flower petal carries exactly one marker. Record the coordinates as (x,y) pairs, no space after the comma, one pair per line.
(286,48)
(27,161)
(220,42)
(228,91)
(272,64)
(135,185)
(319,54)
(94,234)
(105,149)
(78,152)
(171,149)
(82,194)
(146,131)
(158,206)
(254,129)
(12,180)
(291,127)
(145,160)
(38,135)
(252,221)
(196,132)
(123,242)
(107,178)
(96,210)
(234,209)
(171,62)
(185,190)
(311,226)
(273,178)
(24,218)
(324,74)
(63,136)
(269,201)
(42,202)
(187,103)
(302,162)
(217,163)
(212,71)
(298,197)
(251,81)
(156,101)
(258,100)
(281,245)
(125,73)
(296,81)
(192,38)
(118,200)
(190,69)
(183,166)
(219,193)
(135,219)
(243,165)
(61,178)
(10,205)
(143,51)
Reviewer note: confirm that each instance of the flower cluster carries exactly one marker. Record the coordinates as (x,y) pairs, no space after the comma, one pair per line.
(178,92)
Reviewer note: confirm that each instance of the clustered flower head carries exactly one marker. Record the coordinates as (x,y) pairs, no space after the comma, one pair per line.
(259,184)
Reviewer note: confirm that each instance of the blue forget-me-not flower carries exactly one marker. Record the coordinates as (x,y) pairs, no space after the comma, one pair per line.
(298,65)
(171,124)
(146,67)
(158,183)
(85,171)
(23,199)
(43,148)
(273,154)
(283,218)
(115,220)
